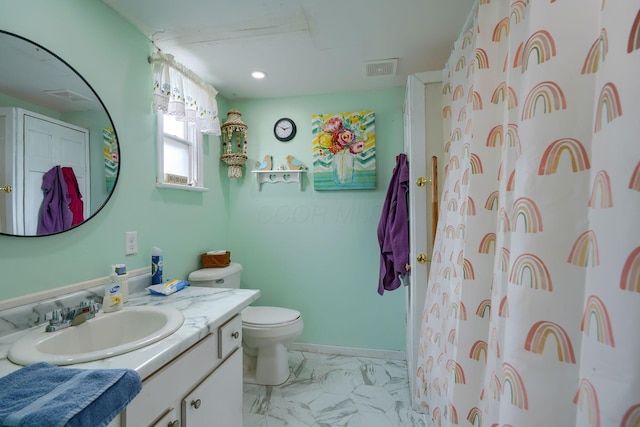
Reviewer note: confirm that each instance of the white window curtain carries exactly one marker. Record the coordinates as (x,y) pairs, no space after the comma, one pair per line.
(180,92)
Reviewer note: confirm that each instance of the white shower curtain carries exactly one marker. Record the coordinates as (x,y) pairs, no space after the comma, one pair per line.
(532,311)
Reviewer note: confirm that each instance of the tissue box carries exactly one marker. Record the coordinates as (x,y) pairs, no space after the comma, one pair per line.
(215,261)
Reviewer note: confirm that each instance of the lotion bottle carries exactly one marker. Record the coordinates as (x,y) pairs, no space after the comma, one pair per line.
(123,280)
(112,296)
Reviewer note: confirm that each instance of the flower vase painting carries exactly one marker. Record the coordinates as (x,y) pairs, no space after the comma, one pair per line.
(344,151)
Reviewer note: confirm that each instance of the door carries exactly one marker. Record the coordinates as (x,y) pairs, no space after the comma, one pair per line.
(7,171)
(423,140)
(46,143)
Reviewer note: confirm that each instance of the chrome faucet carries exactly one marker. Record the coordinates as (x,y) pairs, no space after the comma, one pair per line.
(72,316)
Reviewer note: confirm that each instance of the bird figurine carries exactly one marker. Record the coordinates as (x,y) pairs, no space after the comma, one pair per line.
(265,165)
(295,164)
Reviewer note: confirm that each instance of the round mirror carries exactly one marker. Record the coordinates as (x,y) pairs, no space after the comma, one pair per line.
(59,152)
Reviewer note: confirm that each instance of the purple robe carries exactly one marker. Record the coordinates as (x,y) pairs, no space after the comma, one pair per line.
(55,214)
(393,229)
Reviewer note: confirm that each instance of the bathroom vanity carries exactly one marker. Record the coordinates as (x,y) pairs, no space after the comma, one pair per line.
(190,378)
(204,383)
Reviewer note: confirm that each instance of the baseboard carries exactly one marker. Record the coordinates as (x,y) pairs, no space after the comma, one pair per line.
(348,351)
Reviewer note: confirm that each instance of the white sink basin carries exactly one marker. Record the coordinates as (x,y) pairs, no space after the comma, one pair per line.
(106,335)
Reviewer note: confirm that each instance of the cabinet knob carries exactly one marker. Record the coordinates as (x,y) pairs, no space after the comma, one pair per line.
(235,335)
(175,423)
(196,403)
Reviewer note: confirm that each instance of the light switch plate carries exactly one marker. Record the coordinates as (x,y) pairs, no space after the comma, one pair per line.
(131,243)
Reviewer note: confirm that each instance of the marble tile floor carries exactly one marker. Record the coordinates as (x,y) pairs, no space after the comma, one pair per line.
(326,390)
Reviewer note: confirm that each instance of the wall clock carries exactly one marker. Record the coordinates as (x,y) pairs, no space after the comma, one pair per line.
(284,130)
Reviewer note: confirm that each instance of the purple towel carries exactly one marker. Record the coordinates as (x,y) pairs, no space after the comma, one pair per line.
(55,213)
(393,229)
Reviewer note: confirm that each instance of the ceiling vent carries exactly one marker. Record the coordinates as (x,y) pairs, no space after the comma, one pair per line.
(383,67)
(67,95)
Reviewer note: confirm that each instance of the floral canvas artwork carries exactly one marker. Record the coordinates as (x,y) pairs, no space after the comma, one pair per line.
(111,157)
(344,151)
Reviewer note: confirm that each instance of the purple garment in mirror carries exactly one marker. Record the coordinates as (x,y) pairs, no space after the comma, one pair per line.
(55,214)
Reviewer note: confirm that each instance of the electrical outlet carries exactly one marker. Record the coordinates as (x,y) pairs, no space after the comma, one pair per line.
(131,243)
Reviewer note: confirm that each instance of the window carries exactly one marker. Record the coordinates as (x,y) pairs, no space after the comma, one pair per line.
(186,108)
(180,153)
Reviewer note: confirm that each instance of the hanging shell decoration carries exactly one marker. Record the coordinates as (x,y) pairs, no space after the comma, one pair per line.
(234,143)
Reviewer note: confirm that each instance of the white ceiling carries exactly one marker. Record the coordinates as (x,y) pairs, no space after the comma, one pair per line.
(33,74)
(305,46)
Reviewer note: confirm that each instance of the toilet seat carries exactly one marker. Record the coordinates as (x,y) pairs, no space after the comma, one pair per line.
(268,317)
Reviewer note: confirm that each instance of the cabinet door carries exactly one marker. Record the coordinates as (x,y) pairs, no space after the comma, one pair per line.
(168,385)
(217,401)
(171,419)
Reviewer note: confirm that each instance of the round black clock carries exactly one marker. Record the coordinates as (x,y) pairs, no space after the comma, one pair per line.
(284,129)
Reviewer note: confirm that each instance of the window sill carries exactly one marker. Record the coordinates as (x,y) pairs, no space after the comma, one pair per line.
(181,187)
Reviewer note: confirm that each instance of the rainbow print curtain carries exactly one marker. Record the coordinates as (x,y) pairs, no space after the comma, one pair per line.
(533,301)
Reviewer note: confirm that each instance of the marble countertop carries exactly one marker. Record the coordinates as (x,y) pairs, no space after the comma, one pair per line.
(204,310)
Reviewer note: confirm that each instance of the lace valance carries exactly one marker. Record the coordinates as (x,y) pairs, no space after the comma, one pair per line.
(180,92)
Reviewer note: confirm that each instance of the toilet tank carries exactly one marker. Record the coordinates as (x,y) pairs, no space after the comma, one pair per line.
(225,277)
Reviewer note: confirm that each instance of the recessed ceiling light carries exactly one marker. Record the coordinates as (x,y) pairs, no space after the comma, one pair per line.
(258,75)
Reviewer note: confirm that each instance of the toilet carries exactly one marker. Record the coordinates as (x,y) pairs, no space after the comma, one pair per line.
(266,331)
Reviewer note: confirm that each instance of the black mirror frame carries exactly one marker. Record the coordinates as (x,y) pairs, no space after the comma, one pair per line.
(117,177)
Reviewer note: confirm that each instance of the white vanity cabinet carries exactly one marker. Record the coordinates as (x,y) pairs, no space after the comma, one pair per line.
(200,388)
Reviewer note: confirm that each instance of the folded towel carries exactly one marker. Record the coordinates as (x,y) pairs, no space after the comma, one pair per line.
(44,395)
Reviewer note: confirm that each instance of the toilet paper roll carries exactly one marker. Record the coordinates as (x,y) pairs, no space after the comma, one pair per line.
(219,252)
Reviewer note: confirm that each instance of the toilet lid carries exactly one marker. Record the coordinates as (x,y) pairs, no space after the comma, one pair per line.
(261,316)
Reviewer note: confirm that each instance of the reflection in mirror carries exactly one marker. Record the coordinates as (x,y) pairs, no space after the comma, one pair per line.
(59,154)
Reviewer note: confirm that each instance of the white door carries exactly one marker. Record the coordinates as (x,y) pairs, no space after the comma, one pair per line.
(7,171)
(423,140)
(48,143)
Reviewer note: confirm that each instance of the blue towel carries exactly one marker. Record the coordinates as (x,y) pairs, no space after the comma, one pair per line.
(44,395)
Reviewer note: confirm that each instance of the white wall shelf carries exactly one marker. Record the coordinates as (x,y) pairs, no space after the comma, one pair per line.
(275,176)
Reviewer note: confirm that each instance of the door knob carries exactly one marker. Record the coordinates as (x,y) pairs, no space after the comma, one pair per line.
(422,181)
(422,258)
(6,189)
(196,403)
(235,335)
(175,423)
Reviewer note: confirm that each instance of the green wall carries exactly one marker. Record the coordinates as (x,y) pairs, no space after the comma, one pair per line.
(316,252)
(313,251)
(112,56)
